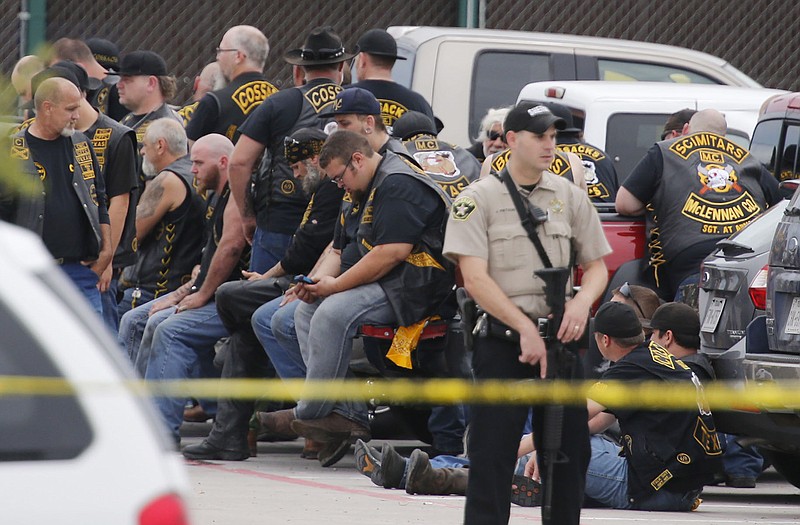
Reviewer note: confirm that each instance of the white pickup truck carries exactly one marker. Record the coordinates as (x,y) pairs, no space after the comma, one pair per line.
(626,118)
(464,72)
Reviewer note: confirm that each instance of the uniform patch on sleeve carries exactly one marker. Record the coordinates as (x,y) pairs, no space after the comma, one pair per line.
(463,208)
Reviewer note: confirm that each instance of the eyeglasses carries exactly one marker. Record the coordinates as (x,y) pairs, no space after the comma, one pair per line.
(221,50)
(625,291)
(337,179)
(494,135)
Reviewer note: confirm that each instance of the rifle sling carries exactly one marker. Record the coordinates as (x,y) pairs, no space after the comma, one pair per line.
(525,217)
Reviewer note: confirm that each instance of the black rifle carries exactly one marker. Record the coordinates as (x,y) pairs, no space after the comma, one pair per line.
(560,363)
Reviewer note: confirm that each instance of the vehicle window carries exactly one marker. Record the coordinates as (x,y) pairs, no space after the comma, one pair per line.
(766,138)
(498,77)
(35,428)
(402,69)
(625,71)
(790,160)
(629,136)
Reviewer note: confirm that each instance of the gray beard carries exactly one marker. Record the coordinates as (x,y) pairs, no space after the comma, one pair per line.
(67,131)
(148,169)
(311,180)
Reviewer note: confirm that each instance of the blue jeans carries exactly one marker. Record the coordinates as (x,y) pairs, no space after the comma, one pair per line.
(325,330)
(110,307)
(268,249)
(446,425)
(86,281)
(741,461)
(274,328)
(607,482)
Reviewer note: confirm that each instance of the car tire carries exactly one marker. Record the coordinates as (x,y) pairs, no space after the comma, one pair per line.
(787,465)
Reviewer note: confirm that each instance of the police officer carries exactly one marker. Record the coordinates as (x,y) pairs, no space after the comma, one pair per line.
(667,455)
(565,164)
(69,212)
(598,170)
(277,202)
(702,188)
(374,63)
(497,259)
(452,167)
(241,56)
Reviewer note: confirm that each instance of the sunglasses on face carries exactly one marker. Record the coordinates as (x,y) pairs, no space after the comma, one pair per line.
(494,135)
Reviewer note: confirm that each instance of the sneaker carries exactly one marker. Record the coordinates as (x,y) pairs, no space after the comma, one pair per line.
(526,492)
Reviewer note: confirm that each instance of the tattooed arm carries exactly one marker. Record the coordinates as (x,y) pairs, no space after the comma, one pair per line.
(163,194)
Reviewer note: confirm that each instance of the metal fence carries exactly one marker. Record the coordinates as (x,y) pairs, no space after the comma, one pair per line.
(756,36)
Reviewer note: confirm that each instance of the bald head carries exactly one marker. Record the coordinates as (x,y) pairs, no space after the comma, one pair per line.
(210,79)
(251,42)
(217,145)
(708,120)
(55,90)
(25,68)
(210,155)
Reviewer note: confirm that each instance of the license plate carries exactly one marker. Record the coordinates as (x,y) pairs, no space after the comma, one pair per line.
(793,322)
(713,314)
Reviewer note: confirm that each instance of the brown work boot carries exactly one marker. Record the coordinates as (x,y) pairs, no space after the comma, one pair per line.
(311,449)
(277,423)
(424,479)
(333,427)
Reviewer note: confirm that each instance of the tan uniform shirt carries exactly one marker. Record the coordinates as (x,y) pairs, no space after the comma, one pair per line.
(484,223)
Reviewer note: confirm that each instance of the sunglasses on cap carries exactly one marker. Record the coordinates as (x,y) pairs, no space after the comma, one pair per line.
(625,291)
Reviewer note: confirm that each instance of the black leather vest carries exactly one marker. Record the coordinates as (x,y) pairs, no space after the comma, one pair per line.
(106,134)
(418,286)
(275,185)
(237,100)
(709,190)
(601,177)
(29,211)
(216,213)
(166,257)
(559,166)
(140,123)
(451,167)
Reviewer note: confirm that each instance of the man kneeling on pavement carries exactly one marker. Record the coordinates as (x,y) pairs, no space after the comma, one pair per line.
(398,276)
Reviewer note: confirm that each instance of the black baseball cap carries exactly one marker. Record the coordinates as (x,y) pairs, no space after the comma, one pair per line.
(536,118)
(144,63)
(85,82)
(303,144)
(678,317)
(562,111)
(53,72)
(105,52)
(413,123)
(617,320)
(378,42)
(354,101)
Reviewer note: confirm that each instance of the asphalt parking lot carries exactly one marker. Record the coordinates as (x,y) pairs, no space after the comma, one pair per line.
(279,487)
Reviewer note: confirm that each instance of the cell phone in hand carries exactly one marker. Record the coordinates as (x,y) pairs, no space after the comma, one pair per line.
(302,279)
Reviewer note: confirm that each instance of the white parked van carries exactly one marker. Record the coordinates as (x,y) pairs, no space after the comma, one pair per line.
(626,118)
(464,72)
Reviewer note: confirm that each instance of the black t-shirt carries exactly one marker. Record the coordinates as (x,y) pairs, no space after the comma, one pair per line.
(403,209)
(121,170)
(316,231)
(66,231)
(395,99)
(204,118)
(274,118)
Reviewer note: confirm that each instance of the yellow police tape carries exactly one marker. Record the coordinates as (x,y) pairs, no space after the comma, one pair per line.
(779,395)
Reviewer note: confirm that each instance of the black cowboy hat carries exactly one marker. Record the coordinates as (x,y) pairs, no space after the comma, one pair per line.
(322,46)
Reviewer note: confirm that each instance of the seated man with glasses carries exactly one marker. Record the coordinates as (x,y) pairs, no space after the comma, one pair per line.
(386,268)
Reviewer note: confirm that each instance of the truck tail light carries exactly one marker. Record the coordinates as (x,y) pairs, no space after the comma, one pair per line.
(165,510)
(554,92)
(758,289)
